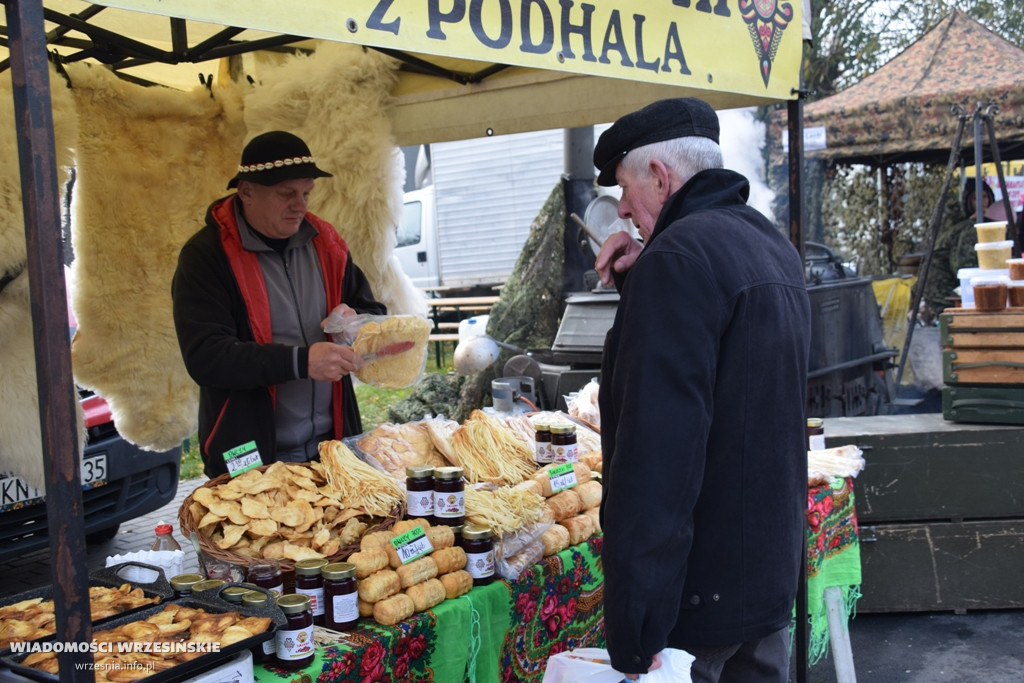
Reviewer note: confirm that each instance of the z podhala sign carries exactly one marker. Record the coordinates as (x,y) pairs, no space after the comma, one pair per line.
(743,46)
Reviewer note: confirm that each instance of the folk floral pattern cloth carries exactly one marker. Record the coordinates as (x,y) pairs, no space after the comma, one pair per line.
(496,633)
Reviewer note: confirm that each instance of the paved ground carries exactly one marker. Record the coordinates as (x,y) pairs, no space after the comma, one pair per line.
(887,648)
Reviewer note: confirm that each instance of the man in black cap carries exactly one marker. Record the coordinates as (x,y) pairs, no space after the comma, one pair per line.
(702,398)
(251,294)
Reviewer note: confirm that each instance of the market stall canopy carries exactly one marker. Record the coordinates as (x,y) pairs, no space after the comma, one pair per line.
(902,112)
(469,69)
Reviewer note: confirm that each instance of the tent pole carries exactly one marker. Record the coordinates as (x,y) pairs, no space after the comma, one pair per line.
(954,153)
(989,117)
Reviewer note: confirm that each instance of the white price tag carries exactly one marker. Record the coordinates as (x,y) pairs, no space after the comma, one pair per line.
(242,458)
(412,545)
(562,477)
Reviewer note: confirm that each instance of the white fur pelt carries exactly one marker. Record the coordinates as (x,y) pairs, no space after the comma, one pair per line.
(336,100)
(21,450)
(150,160)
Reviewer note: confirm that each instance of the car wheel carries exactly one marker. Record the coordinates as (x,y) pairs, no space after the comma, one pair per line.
(103,535)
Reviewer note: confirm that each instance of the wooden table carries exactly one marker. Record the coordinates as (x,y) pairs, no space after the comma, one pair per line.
(457,307)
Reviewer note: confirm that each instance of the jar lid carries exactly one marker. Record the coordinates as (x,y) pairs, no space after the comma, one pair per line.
(984,246)
(234,593)
(208,584)
(264,568)
(339,570)
(476,532)
(448,473)
(186,581)
(310,567)
(815,422)
(543,427)
(563,428)
(254,599)
(419,471)
(293,603)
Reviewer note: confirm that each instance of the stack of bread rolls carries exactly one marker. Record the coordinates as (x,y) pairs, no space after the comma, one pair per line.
(390,591)
(574,510)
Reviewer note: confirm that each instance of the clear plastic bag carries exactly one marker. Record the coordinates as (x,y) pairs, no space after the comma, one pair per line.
(392,348)
(592,665)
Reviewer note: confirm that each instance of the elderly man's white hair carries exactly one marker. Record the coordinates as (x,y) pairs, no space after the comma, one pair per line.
(687,156)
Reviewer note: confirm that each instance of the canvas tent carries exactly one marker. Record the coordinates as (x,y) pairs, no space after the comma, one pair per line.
(901,112)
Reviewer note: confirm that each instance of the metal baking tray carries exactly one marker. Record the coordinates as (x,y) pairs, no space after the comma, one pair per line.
(108,577)
(207,600)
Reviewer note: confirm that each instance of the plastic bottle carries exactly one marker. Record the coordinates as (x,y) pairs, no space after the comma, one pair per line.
(165,539)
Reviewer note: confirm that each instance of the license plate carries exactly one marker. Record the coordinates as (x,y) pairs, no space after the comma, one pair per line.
(15,492)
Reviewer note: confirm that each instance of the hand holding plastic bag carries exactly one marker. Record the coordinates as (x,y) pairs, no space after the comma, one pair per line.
(592,665)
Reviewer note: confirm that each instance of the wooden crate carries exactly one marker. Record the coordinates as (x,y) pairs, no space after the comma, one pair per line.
(967,328)
(983,366)
(991,405)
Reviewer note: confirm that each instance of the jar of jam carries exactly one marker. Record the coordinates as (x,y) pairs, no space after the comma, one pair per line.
(208,584)
(234,594)
(457,532)
(264,652)
(542,439)
(266,574)
(182,584)
(563,442)
(815,434)
(449,496)
(419,492)
(478,543)
(310,583)
(294,642)
(341,602)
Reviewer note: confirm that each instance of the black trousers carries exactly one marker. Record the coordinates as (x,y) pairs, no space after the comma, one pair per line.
(758,661)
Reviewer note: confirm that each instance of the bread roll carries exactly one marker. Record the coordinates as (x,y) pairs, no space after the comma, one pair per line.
(531,485)
(564,504)
(543,476)
(441,536)
(595,517)
(379,585)
(394,609)
(403,525)
(427,594)
(589,493)
(456,583)
(394,561)
(449,559)
(416,571)
(555,539)
(368,561)
(365,608)
(593,460)
(580,527)
(376,539)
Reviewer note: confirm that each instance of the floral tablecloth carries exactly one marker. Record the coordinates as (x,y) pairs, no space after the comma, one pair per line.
(501,632)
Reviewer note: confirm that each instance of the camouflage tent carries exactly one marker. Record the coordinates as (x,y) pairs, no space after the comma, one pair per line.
(902,112)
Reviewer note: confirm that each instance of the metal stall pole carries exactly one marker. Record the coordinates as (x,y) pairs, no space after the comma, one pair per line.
(57,411)
(989,116)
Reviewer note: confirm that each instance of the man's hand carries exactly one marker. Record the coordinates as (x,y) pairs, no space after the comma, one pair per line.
(341,310)
(329,362)
(655,663)
(618,253)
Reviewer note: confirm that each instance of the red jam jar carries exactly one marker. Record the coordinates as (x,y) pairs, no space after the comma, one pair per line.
(478,543)
(542,441)
(294,643)
(341,602)
(419,492)
(266,574)
(310,583)
(264,652)
(449,496)
(563,442)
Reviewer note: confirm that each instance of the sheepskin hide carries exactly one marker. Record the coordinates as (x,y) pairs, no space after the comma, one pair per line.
(150,160)
(21,450)
(336,100)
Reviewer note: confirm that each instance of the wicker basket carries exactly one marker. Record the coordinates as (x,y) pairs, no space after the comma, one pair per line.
(210,549)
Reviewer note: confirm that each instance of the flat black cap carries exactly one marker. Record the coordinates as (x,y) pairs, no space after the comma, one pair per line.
(678,117)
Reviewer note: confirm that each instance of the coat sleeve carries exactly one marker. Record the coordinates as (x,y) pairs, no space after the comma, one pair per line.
(357,293)
(661,394)
(212,325)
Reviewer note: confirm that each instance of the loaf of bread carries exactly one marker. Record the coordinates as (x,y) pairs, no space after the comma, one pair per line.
(441,536)
(365,608)
(427,594)
(564,504)
(555,539)
(394,609)
(379,585)
(369,561)
(589,493)
(593,460)
(531,485)
(449,559)
(456,583)
(416,571)
(580,527)
(543,476)
(376,539)
(403,525)
(595,517)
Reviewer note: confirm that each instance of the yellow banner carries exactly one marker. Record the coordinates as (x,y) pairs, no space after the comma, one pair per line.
(751,47)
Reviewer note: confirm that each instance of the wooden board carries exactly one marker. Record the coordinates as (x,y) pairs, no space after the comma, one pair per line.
(942,566)
(983,366)
(992,405)
(967,328)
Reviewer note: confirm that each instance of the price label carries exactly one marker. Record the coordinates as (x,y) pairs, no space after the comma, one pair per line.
(242,458)
(412,545)
(562,477)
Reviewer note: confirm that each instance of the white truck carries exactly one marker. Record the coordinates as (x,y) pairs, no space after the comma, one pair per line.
(466,226)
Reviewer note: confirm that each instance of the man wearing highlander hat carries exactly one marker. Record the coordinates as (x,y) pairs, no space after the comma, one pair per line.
(251,293)
(702,398)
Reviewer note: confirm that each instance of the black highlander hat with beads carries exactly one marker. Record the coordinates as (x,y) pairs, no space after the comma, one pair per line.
(274,157)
